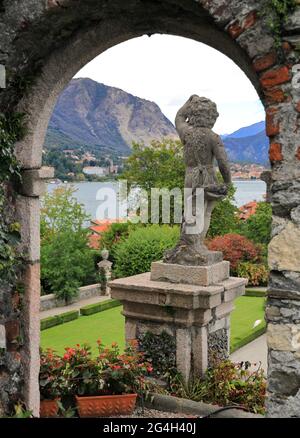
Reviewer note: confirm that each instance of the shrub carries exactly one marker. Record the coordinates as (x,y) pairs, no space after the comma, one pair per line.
(52,321)
(226,384)
(115,234)
(99,307)
(258,226)
(257,274)
(142,247)
(66,262)
(236,249)
(109,373)
(50,378)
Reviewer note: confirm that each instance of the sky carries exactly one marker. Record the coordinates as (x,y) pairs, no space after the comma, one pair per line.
(168,69)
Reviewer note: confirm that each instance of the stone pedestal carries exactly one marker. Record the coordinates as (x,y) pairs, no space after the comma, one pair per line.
(196,315)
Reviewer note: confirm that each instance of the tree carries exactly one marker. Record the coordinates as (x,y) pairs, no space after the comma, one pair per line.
(60,211)
(158,165)
(161,165)
(66,260)
(258,226)
(224,217)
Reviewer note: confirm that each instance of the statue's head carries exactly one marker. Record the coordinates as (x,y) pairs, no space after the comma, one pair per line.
(202,112)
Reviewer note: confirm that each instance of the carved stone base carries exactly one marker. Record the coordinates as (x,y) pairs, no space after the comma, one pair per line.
(198,317)
(198,275)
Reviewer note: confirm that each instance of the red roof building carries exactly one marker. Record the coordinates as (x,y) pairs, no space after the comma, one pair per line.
(248,210)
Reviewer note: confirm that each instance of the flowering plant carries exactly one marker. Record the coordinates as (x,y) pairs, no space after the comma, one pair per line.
(51,379)
(109,373)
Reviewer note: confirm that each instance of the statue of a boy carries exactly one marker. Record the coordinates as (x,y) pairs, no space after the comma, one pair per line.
(194,123)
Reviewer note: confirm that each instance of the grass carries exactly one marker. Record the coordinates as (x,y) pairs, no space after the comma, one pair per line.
(247,311)
(109,326)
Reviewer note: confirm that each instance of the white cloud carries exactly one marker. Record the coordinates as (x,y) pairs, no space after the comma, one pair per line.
(168,69)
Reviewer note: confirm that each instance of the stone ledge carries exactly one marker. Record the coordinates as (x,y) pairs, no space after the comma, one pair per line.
(195,275)
(181,405)
(140,289)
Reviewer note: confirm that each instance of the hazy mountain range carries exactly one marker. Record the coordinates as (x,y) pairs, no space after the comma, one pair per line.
(92,115)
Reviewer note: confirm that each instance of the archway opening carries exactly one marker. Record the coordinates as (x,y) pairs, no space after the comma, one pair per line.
(63,130)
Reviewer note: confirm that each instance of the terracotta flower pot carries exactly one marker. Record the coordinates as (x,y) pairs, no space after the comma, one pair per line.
(49,408)
(106,405)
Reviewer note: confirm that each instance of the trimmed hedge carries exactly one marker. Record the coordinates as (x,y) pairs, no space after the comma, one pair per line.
(99,307)
(255,293)
(52,321)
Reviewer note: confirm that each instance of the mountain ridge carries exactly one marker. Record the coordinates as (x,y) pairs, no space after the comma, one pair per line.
(91,115)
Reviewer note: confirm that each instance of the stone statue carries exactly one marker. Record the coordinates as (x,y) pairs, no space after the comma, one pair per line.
(194,123)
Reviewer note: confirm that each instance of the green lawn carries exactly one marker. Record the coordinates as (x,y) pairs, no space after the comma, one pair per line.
(109,326)
(247,311)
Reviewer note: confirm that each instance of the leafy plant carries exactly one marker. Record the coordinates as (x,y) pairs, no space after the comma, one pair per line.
(236,249)
(276,13)
(159,350)
(110,373)
(142,247)
(226,384)
(258,226)
(66,260)
(257,274)
(50,378)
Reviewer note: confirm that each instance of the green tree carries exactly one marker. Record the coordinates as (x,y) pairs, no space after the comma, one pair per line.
(66,260)
(158,165)
(224,219)
(258,226)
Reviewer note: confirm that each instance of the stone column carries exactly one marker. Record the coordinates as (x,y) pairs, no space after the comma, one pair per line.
(191,303)
(28,215)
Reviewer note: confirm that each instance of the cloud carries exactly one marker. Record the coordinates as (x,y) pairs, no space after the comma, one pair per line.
(168,69)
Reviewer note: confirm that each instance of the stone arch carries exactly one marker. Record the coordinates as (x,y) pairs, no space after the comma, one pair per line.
(46,42)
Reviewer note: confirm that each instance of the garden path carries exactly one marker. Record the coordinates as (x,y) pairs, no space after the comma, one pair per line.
(74,306)
(254,352)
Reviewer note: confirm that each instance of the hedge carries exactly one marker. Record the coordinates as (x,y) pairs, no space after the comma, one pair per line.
(99,307)
(255,293)
(59,319)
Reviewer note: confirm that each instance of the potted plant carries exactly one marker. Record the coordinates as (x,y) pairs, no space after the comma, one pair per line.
(50,379)
(108,384)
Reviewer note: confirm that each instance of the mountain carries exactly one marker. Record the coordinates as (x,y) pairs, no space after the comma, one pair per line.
(247,131)
(88,113)
(249,144)
(97,117)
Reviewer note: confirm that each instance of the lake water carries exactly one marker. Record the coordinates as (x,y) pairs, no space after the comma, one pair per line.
(98,196)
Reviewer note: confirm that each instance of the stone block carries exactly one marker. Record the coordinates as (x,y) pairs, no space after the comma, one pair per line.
(284,337)
(33,181)
(130,329)
(197,275)
(233,288)
(28,215)
(31,323)
(224,309)
(183,352)
(199,350)
(140,289)
(2,337)
(284,249)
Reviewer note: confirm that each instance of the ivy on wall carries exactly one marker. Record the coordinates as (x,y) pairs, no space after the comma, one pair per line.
(276,13)
(11,130)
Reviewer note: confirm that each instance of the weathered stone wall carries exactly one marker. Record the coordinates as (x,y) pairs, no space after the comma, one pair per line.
(45,42)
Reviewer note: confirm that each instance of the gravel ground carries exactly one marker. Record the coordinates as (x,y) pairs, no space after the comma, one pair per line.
(153,413)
